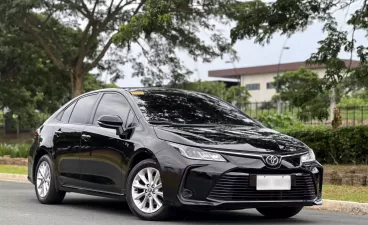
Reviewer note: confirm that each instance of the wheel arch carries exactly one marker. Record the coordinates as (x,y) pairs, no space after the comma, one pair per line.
(39,153)
(138,156)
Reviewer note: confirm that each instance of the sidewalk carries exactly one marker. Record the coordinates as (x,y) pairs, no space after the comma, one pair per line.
(354,208)
(14,177)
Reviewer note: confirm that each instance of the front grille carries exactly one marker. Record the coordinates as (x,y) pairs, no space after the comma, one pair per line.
(236,187)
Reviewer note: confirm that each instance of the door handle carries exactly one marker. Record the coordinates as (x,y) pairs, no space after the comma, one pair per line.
(58,132)
(86,137)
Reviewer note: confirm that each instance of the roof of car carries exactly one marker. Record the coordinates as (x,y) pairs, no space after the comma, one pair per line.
(154,89)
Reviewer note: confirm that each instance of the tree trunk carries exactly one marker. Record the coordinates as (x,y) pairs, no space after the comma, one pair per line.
(77,80)
(18,130)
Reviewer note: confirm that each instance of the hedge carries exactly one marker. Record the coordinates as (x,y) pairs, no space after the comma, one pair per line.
(14,150)
(346,145)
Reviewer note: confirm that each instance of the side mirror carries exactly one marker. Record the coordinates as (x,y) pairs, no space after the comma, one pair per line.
(108,121)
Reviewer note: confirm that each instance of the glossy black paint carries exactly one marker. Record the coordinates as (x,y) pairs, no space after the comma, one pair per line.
(92,159)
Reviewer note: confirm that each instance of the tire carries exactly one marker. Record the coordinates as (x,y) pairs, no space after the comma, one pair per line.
(140,199)
(47,194)
(279,213)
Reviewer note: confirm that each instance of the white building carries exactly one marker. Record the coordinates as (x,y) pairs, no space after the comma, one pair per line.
(259,79)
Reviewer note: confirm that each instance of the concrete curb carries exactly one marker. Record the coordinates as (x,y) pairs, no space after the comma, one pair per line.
(354,208)
(14,177)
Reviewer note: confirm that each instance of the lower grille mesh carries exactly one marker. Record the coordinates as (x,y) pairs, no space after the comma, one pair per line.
(235,187)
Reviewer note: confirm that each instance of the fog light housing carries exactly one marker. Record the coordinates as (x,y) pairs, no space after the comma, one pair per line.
(186,193)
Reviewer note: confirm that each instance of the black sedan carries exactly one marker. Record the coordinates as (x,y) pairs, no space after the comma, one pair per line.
(161,149)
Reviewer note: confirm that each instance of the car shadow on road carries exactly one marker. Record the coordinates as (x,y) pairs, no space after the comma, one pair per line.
(120,208)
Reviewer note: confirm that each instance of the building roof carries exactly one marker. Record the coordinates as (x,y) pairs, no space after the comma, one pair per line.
(236,72)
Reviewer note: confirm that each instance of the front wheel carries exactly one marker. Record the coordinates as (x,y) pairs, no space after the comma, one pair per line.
(281,212)
(45,185)
(144,191)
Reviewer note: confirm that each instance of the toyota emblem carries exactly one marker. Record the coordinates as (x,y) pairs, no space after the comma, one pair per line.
(272,160)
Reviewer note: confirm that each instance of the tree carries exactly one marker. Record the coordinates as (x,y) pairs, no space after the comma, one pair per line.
(214,88)
(32,87)
(156,27)
(304,89)
(261,20)
(238,95)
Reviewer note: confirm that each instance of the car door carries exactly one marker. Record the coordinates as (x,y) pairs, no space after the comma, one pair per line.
(103,152)
(67,139)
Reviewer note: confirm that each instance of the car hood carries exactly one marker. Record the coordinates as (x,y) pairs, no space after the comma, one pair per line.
(242,139)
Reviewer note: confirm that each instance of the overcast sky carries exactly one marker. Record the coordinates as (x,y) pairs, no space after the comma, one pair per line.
(301,46)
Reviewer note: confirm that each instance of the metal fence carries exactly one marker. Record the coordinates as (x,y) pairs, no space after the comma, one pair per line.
(354,115)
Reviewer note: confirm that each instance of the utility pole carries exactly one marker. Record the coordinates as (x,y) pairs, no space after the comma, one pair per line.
(284,47)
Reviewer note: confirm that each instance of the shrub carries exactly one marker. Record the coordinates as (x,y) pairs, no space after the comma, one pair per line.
(14,150)
(348,101)
(345,145)
(268,105)
(278,121)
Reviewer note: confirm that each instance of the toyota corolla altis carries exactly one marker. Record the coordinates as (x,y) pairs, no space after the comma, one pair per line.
(162,149)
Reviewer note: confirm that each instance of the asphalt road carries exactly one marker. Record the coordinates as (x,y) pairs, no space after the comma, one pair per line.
(19,206)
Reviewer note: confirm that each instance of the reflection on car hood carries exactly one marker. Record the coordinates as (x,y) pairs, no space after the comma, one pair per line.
(250,139)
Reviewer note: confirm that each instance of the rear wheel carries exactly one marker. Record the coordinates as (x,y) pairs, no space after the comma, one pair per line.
(144,192)
(45,185)
(281,212)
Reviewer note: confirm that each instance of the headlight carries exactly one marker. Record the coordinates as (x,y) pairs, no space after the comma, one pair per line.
(196,153)
(309,156)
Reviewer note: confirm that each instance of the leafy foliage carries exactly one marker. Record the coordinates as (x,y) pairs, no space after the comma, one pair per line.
(214,88)
(155,29)
(303,89)
(346,145)
(260,20)
(238,95)
(277,121)
(351,101)
(14,150)
(32,87)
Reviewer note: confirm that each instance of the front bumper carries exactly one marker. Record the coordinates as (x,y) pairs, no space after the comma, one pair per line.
(231,185)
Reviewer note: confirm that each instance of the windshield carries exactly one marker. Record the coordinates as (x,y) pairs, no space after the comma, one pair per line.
(188,108)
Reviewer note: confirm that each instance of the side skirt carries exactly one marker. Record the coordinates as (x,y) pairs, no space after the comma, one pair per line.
(93,192)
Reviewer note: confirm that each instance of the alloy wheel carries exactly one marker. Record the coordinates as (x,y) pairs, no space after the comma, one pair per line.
(43,179)
(147,190)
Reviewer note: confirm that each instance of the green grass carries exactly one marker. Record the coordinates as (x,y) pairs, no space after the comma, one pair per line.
(345,193)
(13,169)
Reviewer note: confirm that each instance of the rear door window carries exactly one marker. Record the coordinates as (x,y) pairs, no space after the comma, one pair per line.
(83,109)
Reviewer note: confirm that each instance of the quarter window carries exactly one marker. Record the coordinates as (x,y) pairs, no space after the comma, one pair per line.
(252,87)
(114,105)
(67,112)
(83,109)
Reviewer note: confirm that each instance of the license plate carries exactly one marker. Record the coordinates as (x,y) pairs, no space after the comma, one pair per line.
(273,182)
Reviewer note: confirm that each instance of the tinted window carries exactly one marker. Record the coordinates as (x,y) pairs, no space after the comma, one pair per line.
(251,87)
(189,108)
(114,105)
(131,118)
(83,109)
(67,112)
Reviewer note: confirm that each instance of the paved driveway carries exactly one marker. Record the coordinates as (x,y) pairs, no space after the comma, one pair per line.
(19,206)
